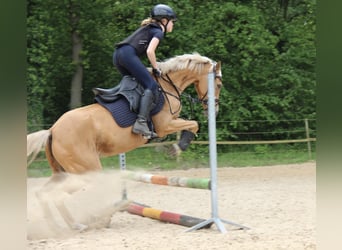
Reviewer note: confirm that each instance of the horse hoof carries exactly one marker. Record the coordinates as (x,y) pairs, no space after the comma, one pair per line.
(174,150)
(79,227)
(122,205)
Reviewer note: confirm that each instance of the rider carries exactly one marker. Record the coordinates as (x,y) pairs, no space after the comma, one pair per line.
(144,41)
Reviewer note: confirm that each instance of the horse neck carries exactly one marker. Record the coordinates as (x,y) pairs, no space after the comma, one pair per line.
(180,79)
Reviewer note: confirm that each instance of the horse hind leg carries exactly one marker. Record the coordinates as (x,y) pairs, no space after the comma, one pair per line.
(65,190)
(58,188)
(43,201)
(83,158)
(67,217)
(102,217)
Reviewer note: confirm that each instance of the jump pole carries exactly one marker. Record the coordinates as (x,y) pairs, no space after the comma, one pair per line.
(200,183)
(162,215)
(213,163)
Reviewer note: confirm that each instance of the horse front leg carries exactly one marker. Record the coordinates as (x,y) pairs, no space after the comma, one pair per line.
(176,125)
(183,143)
(188,131)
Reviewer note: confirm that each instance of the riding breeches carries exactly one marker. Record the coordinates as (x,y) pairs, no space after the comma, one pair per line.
(128,63)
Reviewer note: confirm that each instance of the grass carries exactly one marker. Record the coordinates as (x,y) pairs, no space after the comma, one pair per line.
(197,156)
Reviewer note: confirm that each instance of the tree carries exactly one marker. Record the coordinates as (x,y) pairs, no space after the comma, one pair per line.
(267,50)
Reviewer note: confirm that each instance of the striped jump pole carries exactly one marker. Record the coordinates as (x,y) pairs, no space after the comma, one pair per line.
(201,183)
(165,216)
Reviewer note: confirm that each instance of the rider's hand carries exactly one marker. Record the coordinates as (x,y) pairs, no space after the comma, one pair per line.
(156,72)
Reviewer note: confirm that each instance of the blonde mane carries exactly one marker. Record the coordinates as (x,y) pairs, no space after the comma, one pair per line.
(194,62)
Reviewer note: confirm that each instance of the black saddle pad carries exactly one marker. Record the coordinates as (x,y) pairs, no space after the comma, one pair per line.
(122,114)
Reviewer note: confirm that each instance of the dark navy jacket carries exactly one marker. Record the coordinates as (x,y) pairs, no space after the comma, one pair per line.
(141,38)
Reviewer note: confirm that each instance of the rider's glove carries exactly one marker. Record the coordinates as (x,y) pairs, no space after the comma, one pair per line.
(156,72)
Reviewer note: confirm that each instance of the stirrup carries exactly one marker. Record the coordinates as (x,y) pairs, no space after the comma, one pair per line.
(152,135)
(148,135)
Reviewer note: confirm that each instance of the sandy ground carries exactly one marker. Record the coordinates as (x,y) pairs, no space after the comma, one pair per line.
(277,203)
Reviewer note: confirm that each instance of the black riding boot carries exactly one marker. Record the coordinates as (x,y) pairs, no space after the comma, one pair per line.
(140,126)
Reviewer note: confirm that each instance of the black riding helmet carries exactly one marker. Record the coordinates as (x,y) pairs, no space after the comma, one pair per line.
(160,11)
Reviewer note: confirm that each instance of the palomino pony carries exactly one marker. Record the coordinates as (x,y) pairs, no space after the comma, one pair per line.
(77,140)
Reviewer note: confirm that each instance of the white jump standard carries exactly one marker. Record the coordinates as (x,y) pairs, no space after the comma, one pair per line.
(213,163)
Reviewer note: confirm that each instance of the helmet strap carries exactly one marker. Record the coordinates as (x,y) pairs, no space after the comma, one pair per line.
(165,26)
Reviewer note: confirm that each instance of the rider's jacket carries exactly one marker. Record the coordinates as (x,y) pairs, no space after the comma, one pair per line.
(141,38)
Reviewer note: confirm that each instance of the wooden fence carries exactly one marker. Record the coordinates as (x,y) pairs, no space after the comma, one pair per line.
(307,140)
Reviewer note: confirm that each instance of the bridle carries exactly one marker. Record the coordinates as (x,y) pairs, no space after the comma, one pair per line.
(180,93)
(216,76)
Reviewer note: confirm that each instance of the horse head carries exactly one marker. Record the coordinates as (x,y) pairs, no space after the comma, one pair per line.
(181,71)
(201,86)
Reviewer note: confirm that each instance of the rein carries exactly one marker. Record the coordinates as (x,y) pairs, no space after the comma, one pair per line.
(178,96)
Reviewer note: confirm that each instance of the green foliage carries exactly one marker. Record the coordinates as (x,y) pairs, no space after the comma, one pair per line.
(267,50)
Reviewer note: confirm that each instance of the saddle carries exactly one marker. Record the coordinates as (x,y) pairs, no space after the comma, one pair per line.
(123,101)
(128,88)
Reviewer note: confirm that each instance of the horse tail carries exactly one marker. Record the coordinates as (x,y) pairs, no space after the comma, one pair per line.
(35,143)
(54,164)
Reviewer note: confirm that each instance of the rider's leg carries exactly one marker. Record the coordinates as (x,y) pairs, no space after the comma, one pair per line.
(140,126)
(126,60)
